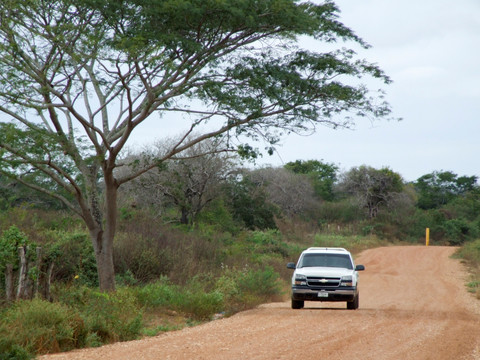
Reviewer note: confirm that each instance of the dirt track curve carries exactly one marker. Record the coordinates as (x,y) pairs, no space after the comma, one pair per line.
(413,305)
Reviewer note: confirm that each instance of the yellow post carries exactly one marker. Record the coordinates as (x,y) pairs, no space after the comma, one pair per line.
(427,236)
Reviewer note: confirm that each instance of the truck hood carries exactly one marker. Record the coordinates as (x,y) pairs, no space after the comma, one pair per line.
(324,271)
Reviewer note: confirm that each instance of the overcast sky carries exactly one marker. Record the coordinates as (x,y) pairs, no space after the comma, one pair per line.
(431,50)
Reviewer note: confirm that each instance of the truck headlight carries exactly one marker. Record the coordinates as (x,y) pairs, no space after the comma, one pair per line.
(300,279)
(347,281)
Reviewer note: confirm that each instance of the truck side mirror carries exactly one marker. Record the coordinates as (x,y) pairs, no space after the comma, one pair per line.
(291,265)
(359,268)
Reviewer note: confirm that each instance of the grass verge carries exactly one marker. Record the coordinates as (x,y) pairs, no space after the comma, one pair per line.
(470,253)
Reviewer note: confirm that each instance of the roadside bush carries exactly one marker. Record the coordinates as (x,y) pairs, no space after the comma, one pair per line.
(157,294)
(11,351)
(200,305)
(194,302)
(268,242)
(108,317)
(458,231)
(259,248)
(470,251)
(113,316)
(247,288)
(40,327)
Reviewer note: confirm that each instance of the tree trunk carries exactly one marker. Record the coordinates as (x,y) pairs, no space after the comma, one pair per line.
(100,216)
(103,239)
(103,247)
(184,216)
(9,282)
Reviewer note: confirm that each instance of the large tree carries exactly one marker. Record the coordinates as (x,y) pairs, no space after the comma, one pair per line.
(77,77)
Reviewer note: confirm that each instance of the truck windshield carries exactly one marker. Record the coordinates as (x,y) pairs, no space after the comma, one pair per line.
(326,260)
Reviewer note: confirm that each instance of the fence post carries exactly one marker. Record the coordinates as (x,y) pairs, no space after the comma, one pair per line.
(22,277)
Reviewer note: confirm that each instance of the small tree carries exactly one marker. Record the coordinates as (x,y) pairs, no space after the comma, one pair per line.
(323,175)
(291,193)
(373,188)
(189,181)
(249,203)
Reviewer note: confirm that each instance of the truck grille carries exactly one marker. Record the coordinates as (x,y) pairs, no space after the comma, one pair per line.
(314,281)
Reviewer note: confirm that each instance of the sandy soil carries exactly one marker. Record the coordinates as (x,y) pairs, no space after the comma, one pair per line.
(413,305)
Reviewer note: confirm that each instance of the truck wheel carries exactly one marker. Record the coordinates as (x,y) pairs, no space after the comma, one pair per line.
(297,304)
(353,305)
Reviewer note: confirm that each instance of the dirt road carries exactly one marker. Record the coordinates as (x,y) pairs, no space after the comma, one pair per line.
(413,305)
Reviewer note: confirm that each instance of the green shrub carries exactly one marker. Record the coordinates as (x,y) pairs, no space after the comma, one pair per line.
(262,283)
(77,259)
(268,241)
(11,351)
(458,231)
(194,302)
(470,251)
(157,294)
(200,305)
(113,317)
(218,217)
(247,288)
(41,327)
(108,317)
(125,279)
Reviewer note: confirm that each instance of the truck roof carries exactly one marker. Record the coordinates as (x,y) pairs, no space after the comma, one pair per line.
(327,250)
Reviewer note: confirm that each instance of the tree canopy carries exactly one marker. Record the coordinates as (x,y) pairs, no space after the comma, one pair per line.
(77,77)
(440,187)
(323,175)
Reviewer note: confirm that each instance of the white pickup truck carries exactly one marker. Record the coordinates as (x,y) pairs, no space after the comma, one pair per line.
(325,274)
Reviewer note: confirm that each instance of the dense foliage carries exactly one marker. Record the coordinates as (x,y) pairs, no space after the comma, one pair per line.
(230,257)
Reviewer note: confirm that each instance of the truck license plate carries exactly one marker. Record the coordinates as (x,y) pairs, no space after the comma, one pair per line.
(323,294)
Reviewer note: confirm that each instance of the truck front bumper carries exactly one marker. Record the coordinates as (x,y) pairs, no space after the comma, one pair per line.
(302,294)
